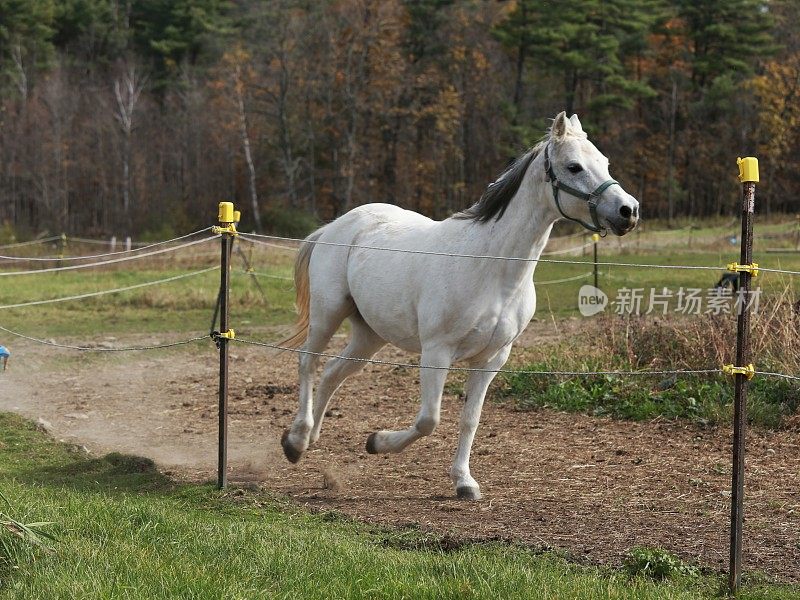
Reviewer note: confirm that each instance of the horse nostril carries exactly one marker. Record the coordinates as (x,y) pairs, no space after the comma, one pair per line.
(626,212)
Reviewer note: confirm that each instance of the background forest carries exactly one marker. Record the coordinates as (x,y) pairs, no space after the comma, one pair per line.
(135,117)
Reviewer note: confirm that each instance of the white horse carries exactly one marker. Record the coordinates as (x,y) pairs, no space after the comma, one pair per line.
(447,308)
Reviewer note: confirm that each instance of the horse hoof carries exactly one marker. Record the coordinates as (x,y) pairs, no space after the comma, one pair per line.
(371,449)
(292,454)
(468,493)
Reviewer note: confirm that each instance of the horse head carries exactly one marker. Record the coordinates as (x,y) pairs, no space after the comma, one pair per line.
(582,189)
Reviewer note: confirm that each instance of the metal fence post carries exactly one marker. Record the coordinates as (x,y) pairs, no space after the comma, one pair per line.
(742,371)
(62,248)
(227,230)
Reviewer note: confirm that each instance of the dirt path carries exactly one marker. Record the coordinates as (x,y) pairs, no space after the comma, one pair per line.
(590,486)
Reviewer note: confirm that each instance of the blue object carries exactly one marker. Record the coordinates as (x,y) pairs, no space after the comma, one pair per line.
(4,351)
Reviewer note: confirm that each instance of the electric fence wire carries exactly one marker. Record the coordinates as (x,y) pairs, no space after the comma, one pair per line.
(568,250)
(564,280)
(260,274)
(249,237)
(52,238)
(109,262)
(88,256)
(112,291)
(103,349)
(470,369)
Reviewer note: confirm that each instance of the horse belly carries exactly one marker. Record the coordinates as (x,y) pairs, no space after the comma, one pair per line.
(383,293)
(496,330)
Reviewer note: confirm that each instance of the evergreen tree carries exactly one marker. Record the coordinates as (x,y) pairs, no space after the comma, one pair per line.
(26,32)
(173,33)
(583,44)
(724,38)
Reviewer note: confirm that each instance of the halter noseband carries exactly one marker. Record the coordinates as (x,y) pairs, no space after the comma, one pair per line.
(591,198)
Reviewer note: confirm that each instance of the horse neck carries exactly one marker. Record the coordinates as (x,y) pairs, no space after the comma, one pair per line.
(524,228)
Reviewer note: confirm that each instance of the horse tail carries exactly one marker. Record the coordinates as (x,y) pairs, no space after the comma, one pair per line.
(302,286)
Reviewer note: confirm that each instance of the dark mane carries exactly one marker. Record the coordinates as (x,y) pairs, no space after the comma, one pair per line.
(498,195)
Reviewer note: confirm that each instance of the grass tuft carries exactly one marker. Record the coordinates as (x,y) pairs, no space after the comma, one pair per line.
(657,564)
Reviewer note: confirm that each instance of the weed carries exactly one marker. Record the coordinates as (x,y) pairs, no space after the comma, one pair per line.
(18,539)
(657,564)
(705,400)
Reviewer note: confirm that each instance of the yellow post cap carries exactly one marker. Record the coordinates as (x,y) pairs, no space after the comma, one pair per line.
(226,212)
(748,169)
(237,216)
(596,237)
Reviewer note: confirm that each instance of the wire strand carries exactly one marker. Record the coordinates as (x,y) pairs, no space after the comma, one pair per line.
(114,291)
(108,262)
(568,250)
(52,238)
(779,271)
(565,280)
(97,349)
(88,256)
(246,236)
(259,274)
(81,240)
(470,369)
(780,375)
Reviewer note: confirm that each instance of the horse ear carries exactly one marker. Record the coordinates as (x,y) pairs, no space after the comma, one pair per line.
(576,124)
(559,128)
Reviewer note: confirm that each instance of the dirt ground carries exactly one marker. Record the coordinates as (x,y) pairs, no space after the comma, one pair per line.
(591,487)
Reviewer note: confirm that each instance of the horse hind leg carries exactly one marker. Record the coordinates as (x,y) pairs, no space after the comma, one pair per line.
(364,343)
(323,322)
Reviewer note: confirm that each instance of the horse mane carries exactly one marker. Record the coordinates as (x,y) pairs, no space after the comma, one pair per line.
(495,200)
(498,195)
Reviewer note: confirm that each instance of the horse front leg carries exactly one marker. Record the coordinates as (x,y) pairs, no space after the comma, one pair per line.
(477,385)
(431,387)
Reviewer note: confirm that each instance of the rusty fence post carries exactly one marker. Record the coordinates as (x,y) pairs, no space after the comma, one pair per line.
(227,231)
(743,370)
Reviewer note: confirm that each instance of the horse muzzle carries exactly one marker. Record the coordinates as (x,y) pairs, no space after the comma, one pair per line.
(621,215)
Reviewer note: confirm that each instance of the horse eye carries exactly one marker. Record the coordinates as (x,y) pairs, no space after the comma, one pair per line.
(574,168)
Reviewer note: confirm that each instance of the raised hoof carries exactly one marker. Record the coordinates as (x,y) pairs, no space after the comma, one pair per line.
(292,454)
(371,443)
(468,493)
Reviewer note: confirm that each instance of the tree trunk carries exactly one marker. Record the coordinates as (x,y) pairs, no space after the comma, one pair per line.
(671,161)
(248,156)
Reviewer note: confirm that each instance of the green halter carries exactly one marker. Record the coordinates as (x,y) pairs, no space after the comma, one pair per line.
(591,198)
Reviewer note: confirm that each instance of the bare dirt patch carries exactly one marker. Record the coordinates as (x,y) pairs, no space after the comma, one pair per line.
(592,487)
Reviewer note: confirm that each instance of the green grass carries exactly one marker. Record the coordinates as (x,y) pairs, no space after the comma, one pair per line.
(184,305)
(125,531)
(704,400)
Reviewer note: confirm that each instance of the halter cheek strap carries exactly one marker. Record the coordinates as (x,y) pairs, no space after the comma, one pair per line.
(591,198)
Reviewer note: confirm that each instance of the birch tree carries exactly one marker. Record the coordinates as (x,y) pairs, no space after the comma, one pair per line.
(128,87)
